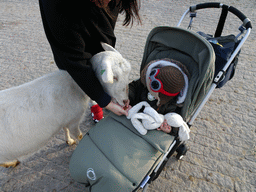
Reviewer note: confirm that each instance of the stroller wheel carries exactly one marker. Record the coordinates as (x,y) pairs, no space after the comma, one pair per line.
(181,151)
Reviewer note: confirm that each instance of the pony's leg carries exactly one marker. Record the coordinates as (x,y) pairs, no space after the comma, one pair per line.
(76,132)
(69,140)
(80,134)
(10,164)
(74,128)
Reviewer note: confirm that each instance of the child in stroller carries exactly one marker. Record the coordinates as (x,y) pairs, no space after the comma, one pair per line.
(164,93)
(163,84)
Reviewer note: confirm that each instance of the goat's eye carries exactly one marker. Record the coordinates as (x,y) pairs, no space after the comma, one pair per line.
(115,78)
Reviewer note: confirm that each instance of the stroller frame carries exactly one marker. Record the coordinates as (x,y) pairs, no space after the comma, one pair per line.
(112,156)
(180,146)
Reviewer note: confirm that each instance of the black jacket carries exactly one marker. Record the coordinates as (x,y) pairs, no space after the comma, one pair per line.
(74,30)
(138,92)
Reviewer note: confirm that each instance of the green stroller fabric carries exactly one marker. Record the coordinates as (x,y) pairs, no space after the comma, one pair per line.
(114,157)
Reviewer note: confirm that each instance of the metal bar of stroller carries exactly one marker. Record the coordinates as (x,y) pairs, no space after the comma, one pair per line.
(218,78)
(164,158)
(246,21)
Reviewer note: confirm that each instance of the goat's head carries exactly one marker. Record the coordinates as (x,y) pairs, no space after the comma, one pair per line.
(113,72)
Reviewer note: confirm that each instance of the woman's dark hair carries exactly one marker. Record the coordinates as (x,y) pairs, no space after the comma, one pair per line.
(131,10)
(129,7)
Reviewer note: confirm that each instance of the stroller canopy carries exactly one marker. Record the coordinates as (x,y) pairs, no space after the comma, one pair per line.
(193,51)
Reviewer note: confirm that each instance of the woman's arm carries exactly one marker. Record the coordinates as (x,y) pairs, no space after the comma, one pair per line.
(74,38)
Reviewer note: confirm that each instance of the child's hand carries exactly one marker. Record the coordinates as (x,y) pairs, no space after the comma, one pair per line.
(165,127)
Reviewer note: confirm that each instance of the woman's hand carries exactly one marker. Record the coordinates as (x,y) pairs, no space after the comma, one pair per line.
(117,109)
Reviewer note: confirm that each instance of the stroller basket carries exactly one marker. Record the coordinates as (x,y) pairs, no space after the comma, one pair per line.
(113,156)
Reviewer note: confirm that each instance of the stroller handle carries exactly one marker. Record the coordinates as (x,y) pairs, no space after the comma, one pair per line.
(246,21)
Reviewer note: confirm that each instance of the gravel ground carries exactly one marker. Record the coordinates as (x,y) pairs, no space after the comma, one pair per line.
(222,151)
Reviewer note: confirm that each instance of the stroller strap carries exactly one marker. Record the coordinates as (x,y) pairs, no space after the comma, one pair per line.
(222,20)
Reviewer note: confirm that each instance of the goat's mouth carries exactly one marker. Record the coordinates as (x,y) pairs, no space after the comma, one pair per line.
(123,103)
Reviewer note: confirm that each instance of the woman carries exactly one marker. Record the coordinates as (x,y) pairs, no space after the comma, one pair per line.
(75,29)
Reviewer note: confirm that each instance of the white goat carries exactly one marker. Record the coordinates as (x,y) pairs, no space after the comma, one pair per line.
(32,113)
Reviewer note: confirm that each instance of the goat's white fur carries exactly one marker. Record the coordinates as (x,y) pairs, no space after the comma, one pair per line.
(113,73)
(32,113)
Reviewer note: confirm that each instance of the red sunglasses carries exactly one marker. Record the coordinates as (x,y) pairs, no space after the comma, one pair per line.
(156,85)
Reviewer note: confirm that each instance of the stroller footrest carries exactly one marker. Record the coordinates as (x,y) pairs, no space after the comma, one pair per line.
(113,157)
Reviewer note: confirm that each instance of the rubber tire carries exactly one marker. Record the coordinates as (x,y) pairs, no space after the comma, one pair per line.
(181,151)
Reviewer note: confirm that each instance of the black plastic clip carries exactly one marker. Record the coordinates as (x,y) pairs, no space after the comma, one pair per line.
(192,15)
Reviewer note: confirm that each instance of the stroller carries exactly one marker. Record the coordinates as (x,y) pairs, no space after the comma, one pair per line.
(113,156)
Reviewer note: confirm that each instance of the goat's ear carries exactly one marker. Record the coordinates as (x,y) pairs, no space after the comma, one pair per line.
(106,72)
(108,47)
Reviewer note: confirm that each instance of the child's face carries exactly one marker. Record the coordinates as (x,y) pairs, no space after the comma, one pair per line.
(165,127)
